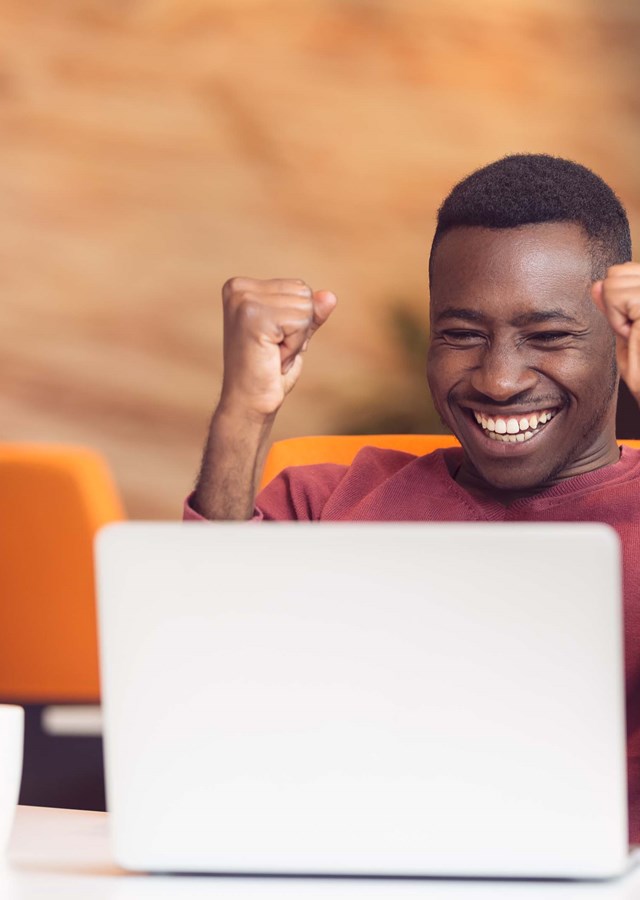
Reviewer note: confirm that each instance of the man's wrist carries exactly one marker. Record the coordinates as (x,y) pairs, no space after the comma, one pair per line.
(232,415)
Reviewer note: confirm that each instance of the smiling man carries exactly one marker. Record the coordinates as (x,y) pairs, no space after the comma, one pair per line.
(535,307)
(535,310)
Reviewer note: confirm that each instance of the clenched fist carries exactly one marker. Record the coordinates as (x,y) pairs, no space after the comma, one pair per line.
(267,326)
(618,296)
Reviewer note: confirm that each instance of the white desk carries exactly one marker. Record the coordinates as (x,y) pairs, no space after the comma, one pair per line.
(63,855)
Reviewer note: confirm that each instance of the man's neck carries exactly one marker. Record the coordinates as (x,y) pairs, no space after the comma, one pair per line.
(469,479)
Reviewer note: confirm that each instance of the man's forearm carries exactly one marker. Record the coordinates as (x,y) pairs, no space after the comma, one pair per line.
(232,465)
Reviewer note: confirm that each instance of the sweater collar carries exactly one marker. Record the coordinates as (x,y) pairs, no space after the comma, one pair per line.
(588,481)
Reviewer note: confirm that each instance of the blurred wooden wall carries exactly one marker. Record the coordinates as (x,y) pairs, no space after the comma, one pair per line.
(152,148)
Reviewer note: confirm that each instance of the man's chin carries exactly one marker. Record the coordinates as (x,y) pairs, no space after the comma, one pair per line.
(510,479)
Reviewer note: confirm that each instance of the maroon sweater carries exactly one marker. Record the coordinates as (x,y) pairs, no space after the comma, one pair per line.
(389,485)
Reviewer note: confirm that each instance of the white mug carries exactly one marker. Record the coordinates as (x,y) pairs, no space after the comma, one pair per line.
(11,741)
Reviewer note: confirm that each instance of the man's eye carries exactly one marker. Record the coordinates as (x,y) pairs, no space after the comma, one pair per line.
(460,336)
(550,337)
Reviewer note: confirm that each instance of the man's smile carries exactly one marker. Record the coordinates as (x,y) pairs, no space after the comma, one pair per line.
(515,428)
(509,433)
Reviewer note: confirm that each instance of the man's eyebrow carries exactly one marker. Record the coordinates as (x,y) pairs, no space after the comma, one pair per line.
(460,312)
(531,318)
(544,315)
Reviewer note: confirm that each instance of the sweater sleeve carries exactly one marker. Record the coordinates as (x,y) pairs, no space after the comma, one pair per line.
(297,494)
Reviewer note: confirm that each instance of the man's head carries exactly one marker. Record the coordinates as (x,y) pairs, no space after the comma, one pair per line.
(514,332)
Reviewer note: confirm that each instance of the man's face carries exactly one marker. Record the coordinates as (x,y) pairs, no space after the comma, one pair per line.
(515,336)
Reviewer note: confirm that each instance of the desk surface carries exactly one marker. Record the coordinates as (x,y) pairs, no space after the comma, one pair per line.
(64,853)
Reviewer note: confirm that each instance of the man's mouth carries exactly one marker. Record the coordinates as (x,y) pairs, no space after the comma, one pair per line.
(516,428)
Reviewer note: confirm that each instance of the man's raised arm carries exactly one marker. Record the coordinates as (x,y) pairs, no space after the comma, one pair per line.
(267,327)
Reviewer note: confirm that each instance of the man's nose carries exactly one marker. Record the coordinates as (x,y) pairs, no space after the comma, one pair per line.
(502,373)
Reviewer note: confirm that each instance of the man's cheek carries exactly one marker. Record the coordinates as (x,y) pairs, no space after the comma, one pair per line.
(439,399)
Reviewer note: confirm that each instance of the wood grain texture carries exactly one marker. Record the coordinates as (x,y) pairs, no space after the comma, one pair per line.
(151,149)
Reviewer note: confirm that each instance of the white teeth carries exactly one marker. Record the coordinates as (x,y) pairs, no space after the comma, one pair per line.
(510,438)
(512,426)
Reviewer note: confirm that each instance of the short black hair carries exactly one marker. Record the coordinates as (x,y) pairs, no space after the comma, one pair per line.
(532,188)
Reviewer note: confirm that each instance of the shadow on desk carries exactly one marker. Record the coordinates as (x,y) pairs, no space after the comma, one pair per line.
(60,771)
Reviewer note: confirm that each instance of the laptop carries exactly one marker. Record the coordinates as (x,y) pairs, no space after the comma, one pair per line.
(383,699)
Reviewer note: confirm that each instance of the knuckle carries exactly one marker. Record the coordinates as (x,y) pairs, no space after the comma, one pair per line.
(232,287)
(248,309)
(301,283)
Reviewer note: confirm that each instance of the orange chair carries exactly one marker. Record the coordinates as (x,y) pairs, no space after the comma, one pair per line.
(52,500)
(341,448)
(302,451)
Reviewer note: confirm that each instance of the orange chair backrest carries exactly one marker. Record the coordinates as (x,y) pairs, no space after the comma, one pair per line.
(52,501)
(303,451)
(341,448)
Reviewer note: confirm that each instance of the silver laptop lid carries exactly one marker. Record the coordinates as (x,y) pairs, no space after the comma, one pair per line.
(364,698)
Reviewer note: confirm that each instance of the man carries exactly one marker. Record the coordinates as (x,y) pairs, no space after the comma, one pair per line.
(535,309)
